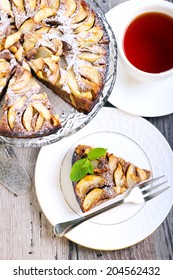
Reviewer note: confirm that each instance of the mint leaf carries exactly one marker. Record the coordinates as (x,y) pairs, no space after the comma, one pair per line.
(96,153)
(80,169)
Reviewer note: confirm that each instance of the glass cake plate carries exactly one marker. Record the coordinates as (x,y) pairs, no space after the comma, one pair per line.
(71,120)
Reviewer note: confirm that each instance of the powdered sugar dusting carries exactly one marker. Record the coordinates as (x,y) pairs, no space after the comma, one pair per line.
(4,24)
(20,16)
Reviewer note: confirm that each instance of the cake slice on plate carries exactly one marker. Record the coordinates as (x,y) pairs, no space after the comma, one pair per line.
(98,176)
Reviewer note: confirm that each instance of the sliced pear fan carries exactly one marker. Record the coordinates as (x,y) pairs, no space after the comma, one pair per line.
(87,183)
(90,37)
(45,113)
(89,72)
(22,81)
(37,113)
(87,23)
(73,85)
(81,14)
(93,88)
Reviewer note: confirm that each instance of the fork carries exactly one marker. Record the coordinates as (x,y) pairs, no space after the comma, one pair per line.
(138,194)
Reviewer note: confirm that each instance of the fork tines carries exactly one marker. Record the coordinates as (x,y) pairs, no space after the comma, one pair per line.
(146,191)
(148,182)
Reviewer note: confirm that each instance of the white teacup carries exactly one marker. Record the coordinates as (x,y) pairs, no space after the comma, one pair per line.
(154,6)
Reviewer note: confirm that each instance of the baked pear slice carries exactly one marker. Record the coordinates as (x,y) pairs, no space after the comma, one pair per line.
(38,113)
(88,183)
(21,82)
(89,72)
(21,78)
(81,13)
(70,7)
(88,56)
(87,23)
(27,117)
(4,67)
(27,26)
(14,109)
(90,37)
(135,175)
(92,199)
(43,14)
(12,39)
(73,85)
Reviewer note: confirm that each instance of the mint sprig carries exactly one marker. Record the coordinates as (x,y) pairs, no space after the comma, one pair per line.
(96,153)
(84,166)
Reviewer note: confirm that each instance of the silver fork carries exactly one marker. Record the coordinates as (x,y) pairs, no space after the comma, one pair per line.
(138,194)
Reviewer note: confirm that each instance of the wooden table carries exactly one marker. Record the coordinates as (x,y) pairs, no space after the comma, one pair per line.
(26,234)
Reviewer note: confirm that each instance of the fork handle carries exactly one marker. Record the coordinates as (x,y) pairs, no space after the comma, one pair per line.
(62,228)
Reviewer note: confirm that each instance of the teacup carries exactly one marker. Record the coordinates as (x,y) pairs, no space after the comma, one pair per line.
(145,40)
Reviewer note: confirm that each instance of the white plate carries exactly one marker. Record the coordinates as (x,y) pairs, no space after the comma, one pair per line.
(128,136)
(139,98)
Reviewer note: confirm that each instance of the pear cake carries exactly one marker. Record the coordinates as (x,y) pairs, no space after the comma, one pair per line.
(61,43)
(110,176)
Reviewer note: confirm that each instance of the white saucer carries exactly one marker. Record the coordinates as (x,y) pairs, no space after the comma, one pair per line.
(139,98)
(131,137)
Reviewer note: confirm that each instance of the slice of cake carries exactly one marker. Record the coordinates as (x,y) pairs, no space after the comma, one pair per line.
(97,179)
(27,110)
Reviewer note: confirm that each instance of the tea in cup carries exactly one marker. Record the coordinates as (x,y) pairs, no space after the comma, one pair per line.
(145,41)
